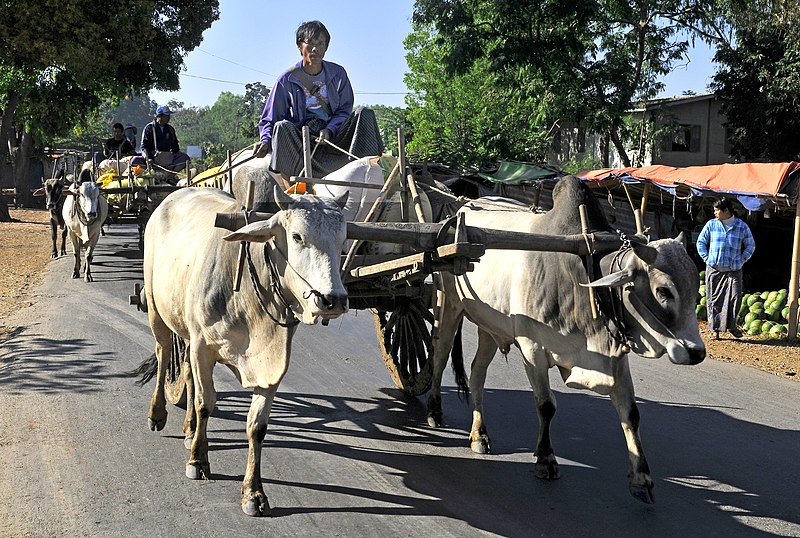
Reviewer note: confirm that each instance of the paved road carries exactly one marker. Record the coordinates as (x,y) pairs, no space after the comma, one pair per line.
(348,455)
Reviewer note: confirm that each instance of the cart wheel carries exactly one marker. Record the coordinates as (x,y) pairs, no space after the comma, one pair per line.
(404,337)
(175,385)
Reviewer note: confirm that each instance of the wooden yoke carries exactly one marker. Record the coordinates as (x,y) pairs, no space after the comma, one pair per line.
(589,257)
(248,205)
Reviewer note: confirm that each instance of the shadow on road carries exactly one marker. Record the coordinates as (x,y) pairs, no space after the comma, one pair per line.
(711,484)
(31,362)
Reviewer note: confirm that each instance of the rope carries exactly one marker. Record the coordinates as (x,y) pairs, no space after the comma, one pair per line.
(260,289)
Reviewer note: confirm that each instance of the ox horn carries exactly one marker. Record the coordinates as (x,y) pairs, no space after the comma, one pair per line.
(614,280)
(646,253)
(681,239)
(281,198)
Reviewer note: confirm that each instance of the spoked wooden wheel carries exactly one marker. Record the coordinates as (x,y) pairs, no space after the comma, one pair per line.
(404,337)
(175,384)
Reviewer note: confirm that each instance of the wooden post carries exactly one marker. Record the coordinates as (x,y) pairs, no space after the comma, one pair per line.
(307,152)
(401,158)
(373,211)
(248,204)
(793,284)
(590,261)
(119,172)
(229,174)
(412,186)
(645,195)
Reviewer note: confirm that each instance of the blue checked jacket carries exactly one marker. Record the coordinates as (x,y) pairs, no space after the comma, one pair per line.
(723,249)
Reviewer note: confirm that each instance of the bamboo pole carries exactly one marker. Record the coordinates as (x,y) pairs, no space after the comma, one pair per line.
(793,284)
(248,204)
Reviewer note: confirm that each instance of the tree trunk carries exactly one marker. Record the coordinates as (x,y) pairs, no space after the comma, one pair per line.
(5,216)
(626,161)
(604,149)
(6,131)
(21,159)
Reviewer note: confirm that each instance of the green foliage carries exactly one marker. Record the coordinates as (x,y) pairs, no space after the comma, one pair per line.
(389,119)
(584,62)
(757,82)
(472,117)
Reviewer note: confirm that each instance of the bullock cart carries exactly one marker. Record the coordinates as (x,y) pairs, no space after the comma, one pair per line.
(391,267)
(133,192)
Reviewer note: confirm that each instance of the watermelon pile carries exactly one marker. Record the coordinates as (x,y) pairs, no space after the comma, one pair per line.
(762,313)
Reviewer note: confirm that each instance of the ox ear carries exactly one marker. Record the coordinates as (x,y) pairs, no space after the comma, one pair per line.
(257,232)
(614,280)
(646,253)
(38,192)
(341,200)
(281,198)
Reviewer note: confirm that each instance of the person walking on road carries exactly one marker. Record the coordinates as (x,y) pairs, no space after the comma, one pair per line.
(725,244)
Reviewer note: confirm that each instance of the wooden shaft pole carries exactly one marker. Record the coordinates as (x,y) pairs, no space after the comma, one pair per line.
(248,204)
(229,174)
(590,261)
(793,284)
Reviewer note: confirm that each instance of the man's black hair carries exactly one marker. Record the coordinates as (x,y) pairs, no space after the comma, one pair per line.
(309,31)
(724,204)
(119,126)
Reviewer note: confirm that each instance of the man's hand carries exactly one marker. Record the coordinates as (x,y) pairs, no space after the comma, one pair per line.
(324,134)
(261,150)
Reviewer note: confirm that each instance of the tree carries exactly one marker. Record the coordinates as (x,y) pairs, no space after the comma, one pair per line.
(389,119)
(757,82)
(86,54)
(474,116)
(593,58)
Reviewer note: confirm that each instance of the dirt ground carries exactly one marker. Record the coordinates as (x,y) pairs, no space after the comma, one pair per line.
(25,251)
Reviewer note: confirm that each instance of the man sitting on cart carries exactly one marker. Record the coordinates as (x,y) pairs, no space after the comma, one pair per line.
(118,142)
(316,93)
(160,143)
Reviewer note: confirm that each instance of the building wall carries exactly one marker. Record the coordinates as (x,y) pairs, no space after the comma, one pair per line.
(701,117)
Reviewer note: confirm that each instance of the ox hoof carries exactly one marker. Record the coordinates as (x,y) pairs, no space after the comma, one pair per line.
(54,255)
(198,471)
(156,424)
(76,275)
(481,446)
(435,420)
(546,470)
(63,252)
(643,493)
(187,442)
(89,278)
(255,504)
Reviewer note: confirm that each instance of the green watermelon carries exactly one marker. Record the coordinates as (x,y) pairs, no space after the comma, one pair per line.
(785,313)
(752,299)
(775,331)
(753,331)
(757,308)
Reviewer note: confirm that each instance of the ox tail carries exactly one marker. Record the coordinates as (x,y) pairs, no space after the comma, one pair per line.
(145,371)
(457,360)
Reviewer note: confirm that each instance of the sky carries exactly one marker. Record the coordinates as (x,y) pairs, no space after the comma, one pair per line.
(254,40)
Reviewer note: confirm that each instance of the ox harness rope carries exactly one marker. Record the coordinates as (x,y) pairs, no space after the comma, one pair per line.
(274,280)
(261,291)
(615,322)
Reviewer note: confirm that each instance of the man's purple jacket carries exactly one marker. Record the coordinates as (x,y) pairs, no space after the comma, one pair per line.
(287,101)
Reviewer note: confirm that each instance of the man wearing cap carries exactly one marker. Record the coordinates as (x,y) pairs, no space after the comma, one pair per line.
(160,143)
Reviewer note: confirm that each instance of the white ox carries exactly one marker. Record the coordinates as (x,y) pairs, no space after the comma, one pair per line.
(535,301)
(84,213)
(189,277)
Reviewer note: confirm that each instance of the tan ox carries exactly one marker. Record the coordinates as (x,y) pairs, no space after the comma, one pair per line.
(189,275)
